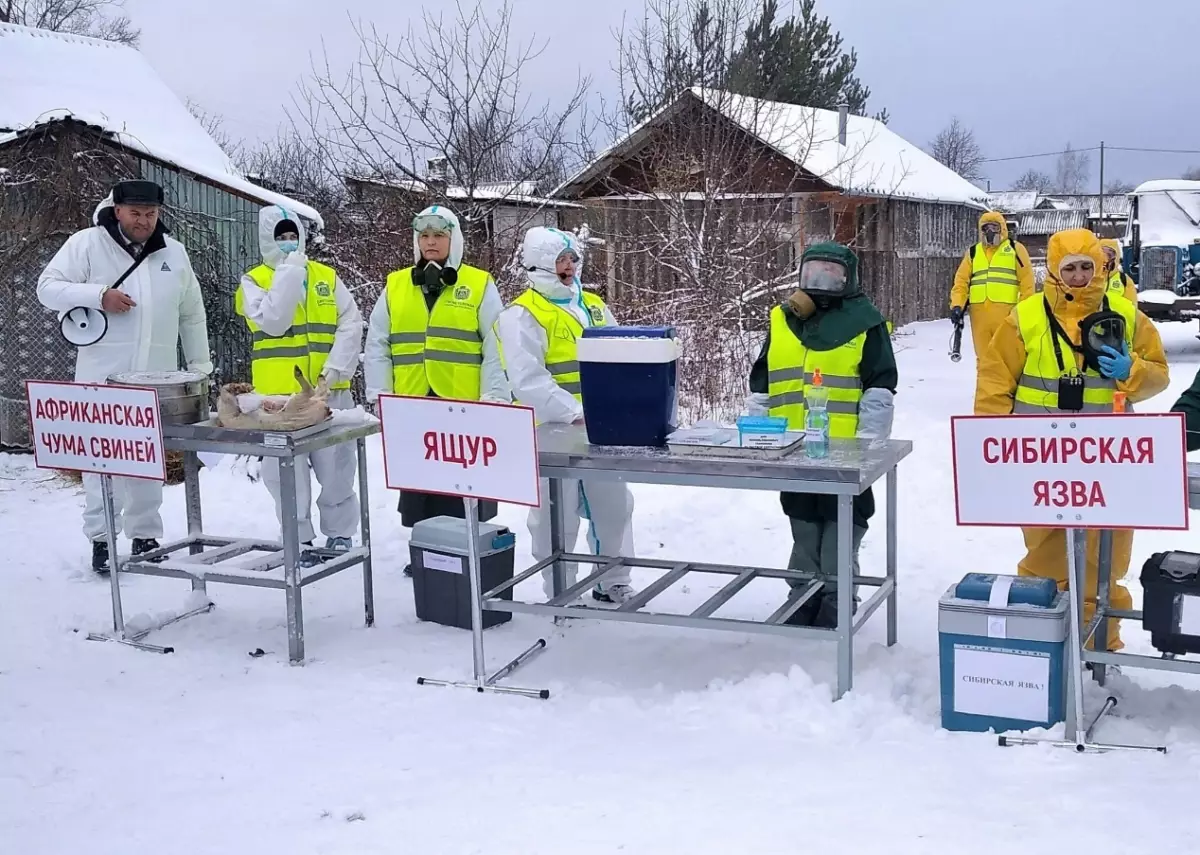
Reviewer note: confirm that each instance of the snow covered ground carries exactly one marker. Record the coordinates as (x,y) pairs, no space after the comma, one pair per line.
(654,741)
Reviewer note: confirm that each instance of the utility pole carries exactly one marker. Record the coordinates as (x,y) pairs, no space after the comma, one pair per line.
(1101,223)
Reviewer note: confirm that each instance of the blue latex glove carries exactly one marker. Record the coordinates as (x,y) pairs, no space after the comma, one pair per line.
(1115,366)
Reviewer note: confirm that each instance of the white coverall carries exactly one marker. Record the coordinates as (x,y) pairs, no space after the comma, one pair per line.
(336,467)
(606,505)
(377,362)
(169,311)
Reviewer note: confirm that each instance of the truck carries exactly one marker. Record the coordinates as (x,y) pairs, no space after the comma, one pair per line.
(1161,249)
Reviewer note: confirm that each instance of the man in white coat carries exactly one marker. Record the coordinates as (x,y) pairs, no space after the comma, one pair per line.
(157,307)
(302,316)
(537,337)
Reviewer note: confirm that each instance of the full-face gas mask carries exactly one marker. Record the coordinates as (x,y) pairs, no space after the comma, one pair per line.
(1100,330)
(432,276)
(824,281)
(991,233)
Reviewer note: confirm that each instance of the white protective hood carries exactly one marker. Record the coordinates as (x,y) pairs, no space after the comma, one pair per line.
(268,218)
(457,245)
(539,253)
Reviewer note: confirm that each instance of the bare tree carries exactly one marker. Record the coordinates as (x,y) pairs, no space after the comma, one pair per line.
(214,125)
(1071,171)
(1033,179)
(1118,186)
(100,19)
(396,111)
(1192,173)
(955,146)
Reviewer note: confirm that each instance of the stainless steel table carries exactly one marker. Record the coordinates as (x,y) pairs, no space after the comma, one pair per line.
(851,467)
(275,564)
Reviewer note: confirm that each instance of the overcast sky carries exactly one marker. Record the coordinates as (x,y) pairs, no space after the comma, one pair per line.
(1027,75)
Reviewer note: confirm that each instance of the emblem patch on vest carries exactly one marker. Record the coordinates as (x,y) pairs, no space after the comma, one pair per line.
(462,292)
(323,289)
(597,314)
(165,268)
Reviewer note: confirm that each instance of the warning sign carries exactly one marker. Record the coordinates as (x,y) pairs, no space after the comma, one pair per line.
(1071,471)
(105,430)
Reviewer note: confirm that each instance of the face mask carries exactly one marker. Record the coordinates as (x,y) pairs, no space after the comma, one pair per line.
(287,246)
(991,235)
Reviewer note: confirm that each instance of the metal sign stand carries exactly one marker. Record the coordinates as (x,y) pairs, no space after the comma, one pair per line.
(119,633)
(481,681)
(1082,740)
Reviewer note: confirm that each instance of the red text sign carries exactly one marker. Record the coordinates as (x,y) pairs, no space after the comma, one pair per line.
(460,448)
(1071,471)
(106,430)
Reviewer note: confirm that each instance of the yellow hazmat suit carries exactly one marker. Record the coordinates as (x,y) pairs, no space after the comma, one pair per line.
(1118,274)
(988,313)
(1002,366)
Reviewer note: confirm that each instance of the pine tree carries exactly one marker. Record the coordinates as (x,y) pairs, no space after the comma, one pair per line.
(800,60)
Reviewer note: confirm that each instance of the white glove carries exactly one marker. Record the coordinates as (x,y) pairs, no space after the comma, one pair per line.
(756,405)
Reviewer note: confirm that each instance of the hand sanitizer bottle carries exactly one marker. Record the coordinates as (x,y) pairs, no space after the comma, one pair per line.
(816,418)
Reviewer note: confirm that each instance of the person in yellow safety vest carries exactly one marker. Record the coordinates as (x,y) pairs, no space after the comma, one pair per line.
(430,334)
(1039,344)
(993,276)
(827,325)
(1117,280)
(301,315)
(537,337)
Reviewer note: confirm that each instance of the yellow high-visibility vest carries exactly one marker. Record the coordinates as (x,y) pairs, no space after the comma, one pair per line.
(440,350)
(790,370)
(995,279)
(1037,388)
(562,332)
(305,344)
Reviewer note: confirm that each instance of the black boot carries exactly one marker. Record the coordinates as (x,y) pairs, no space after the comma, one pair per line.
(100,557)
(827,610)
(806,614)
(142,545)
(408,570)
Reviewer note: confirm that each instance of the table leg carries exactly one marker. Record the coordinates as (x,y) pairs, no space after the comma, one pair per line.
(845,594)
(195,522)
(365,522)
(557,524)
(291,559)
(893,529)
(1103,590)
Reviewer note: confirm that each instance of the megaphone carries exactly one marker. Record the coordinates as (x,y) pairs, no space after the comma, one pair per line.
(82,326)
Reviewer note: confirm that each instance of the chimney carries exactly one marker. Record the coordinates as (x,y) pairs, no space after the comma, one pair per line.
(435,175)
(843,118)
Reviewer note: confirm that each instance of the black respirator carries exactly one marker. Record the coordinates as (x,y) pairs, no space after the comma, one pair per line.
(1097,331)
(432,276)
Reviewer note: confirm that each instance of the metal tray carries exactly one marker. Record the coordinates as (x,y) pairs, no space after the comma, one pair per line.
(209,431)
(725,444)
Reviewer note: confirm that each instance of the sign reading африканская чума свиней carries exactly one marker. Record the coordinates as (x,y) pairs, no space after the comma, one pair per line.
(1071,471)
(105,430)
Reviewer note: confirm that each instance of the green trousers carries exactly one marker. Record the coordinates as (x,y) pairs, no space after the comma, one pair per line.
(814,551)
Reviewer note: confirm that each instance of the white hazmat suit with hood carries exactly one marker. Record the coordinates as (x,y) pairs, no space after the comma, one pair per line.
(274,310)
(169,311)
(606,505)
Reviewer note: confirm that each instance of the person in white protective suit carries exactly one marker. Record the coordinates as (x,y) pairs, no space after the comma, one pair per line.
(430,334)
(301,315)
(537,337)
(158,306)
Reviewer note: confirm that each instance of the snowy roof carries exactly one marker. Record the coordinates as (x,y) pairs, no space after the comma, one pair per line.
(47,77)
(514,192)
(875,160)
(1047,221)
(1008,201)
(1162,185)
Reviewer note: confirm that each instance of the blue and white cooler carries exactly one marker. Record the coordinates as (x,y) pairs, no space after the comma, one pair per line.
(628,379)
(1002,643)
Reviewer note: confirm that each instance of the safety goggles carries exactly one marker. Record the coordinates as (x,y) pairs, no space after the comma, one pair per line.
(435,223)
(990,229)
(822,277)
(567,253)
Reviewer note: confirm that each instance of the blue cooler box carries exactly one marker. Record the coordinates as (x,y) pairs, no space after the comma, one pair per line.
(628,377)
(1002,645)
